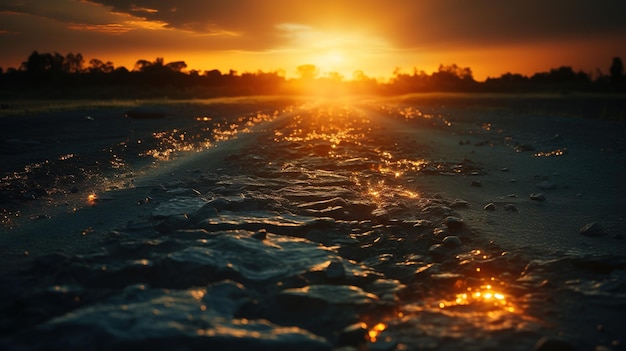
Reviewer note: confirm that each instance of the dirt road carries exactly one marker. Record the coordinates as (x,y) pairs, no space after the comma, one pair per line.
(320,225)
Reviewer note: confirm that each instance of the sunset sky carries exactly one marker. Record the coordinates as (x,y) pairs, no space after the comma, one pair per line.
(376,36)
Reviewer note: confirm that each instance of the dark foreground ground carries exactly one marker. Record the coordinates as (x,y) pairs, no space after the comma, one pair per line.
(273,224)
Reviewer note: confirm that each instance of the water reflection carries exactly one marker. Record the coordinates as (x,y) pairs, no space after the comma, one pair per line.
(557,152)
(205,135)
(354,141)
(60,178)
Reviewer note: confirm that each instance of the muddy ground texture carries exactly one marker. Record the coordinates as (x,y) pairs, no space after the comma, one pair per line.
(315,232)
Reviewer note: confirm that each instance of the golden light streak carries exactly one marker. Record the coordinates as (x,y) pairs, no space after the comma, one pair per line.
(112,28)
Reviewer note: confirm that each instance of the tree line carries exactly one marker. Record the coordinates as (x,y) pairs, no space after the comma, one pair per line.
(53,75)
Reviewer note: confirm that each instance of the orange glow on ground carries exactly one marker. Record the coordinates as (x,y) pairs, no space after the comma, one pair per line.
(374,331)
(91,199)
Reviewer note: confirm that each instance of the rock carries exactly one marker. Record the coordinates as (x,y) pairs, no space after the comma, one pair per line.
(381,215)
(511,208)
(354,335)
(437,251)
(538,197)
(490,207)
(553,344)
(330,294)
(260,234)
(476,183)
(458,203)
(335,270)
(454,223)
(451,241)
(592,229)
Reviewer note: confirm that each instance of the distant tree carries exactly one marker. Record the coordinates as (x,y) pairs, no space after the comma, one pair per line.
(213,74)
(456,72)
(141,65)
(73,63)
(617,69)
(335,76)
(35,63)
(359,75)
(307,72)
(176,66)
(97,66)
(159,65)
(453,77)
(563,77)
(39,63)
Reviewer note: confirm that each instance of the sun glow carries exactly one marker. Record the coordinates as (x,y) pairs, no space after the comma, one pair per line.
(332,51)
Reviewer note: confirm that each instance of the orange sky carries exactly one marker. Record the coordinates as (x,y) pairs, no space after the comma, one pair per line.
(376,36)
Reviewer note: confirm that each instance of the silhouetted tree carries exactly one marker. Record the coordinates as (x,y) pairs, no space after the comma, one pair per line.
(562,78)
(453,78)
(617,69)
(73,63)
(97,66)
(335,76)
(176,66)
(508,82)
(307,72)
(159,65)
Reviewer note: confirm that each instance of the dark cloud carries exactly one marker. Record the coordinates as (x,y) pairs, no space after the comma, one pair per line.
(254,24)
(491,22)
(425,26)
(408,23)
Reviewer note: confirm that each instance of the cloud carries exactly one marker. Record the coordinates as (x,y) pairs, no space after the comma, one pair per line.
(449,23)
(264,26)
(259,24)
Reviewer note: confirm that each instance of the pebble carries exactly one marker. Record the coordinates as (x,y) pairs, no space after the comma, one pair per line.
(437,251)
(538,197)
(490,207)
(458,203)
(260,234)
(452,241)
(511,207)
(335,270)
(354,335)
(592,229)
(454,223)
